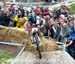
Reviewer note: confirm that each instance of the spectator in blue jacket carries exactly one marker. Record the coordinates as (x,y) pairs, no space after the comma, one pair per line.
(62,10)
(71,40)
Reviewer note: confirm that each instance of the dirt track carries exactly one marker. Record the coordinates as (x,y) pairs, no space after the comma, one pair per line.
(56,57)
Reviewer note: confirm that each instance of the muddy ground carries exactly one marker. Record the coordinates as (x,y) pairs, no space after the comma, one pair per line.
(13,50)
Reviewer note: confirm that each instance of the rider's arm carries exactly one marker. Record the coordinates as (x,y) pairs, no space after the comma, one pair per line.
(69,43)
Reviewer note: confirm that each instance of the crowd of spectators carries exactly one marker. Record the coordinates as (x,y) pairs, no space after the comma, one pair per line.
(57,24)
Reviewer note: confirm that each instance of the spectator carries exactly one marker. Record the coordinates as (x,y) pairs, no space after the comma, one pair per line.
(62,10)
(32,18)
(63,28)
(46,12)
(7,18)
(38,11)
(71,40)
(1,18)
(11,8)
(21,11)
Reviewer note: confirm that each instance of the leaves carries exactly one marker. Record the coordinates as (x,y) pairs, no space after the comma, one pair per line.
(72,9)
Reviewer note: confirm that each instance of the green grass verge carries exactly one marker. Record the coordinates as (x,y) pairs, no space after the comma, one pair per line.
(4,56)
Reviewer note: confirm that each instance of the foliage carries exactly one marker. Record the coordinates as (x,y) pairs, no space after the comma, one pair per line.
(72,9)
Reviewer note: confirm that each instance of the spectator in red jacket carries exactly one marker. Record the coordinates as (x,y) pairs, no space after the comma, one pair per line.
(11,8)
(46,12)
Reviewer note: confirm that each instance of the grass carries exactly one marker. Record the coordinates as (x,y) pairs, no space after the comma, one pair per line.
(4,56)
